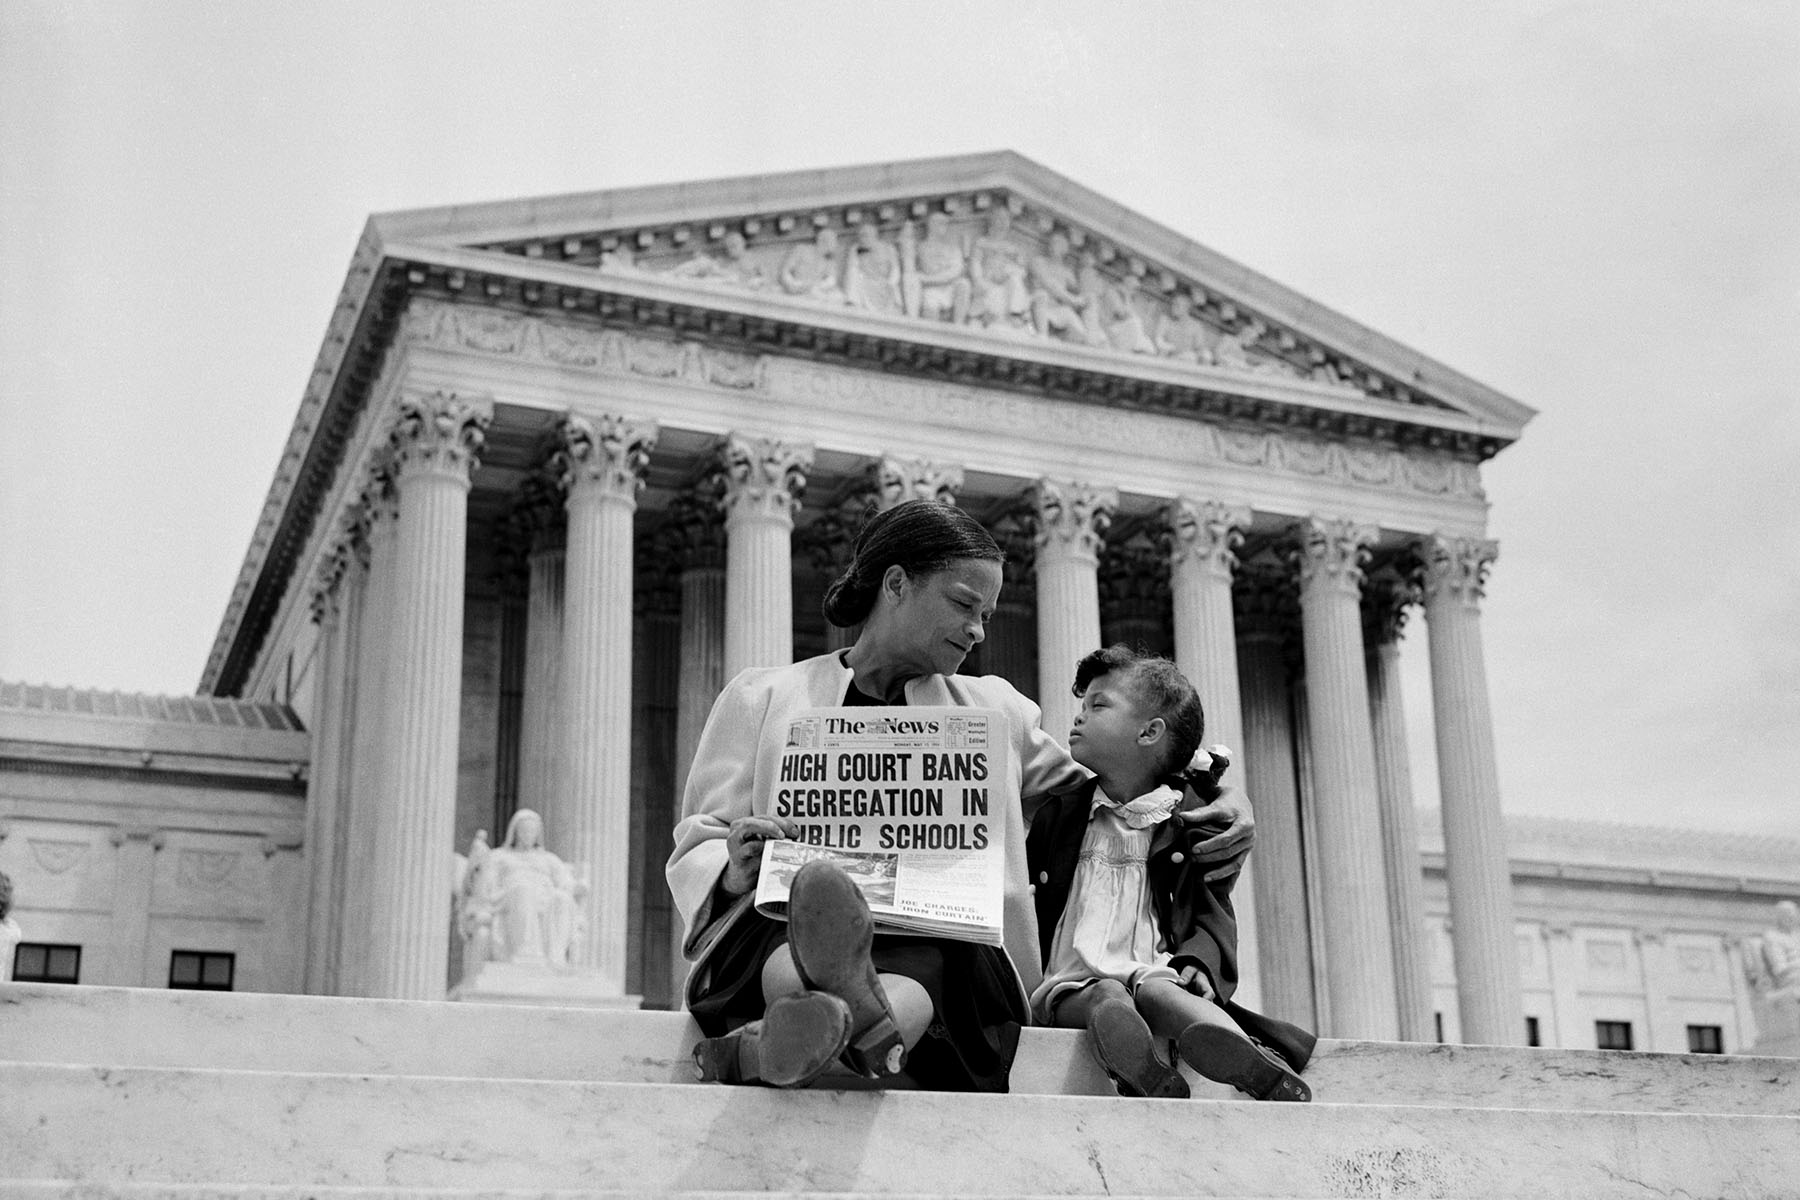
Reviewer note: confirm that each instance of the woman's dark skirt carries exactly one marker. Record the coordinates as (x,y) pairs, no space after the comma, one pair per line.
(978,1010)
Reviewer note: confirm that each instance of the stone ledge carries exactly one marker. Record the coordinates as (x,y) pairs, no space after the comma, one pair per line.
(151,1028)
(231,1128)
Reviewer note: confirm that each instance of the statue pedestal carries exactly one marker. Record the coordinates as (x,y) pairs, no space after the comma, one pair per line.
(540,983)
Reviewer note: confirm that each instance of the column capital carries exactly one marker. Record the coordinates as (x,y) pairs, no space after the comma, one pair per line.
(1265,597)
(1331,552)
(1072,517)
(603,456)
(901,479)
(1134,578)
(828,539)
(1392,589)
(439,433)
(376,502)
(329,578)
(763,477)
(1015,529)
(693,530)
(1456,568)
(1207,532)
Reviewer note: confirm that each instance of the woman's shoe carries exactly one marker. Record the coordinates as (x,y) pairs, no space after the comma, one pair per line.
(1126,1049)
(830,934)
(793,1043)
(1227,1056)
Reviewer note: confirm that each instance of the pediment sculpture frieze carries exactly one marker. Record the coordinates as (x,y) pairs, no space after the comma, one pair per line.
(984,263)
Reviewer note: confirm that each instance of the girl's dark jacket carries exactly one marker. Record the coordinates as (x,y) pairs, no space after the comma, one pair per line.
(1193,915)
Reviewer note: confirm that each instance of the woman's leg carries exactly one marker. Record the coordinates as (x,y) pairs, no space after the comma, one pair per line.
(908,999)
(1209,1041)
(1120,1039)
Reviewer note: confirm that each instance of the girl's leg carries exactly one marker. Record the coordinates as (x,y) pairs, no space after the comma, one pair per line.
(1120,1039)
(1209,1041)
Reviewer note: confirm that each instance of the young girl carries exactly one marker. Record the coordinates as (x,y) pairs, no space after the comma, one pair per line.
(1138,944)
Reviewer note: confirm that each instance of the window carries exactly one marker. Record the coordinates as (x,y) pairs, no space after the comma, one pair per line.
(1612,1035)
(202,970)
(41,962)
(1438,1020)
(1706,1039)
(1532,1036)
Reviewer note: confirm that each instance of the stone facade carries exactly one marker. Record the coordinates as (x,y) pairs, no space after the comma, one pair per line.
(136,826)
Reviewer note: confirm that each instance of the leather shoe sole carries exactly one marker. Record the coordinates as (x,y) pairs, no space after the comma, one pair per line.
(1225,1056)
(830,934)
(793,1043)
(1123,1044)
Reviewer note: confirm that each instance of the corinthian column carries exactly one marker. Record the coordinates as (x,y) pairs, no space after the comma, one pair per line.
(1265,610)
(1388,597)
(694,537)
(1203,538)
(602,463)
(1358,943)
(1072,519)
(435,443)
(372,581)
(763,481)
(334,605)
(1475,860)
(541,718)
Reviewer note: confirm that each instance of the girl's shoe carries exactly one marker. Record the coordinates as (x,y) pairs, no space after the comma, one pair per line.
(1124,1046)
(1227,1056)
(796,1039)
(830,934)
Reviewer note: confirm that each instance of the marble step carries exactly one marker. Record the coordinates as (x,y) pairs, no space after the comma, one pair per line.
(201,1191)
(95,1126)
(144,1027)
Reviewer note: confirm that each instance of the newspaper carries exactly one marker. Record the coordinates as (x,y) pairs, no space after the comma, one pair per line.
(911,802)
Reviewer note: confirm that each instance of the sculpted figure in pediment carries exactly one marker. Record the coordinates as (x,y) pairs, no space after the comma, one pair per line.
(737,267)
(1183,336)
(934,275)
(1058,307)
(1233,349)
(1111,314)
(872,272)
(998,295)
(619,261)
(811,268)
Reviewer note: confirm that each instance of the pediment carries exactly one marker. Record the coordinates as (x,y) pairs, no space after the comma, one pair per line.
(993,248)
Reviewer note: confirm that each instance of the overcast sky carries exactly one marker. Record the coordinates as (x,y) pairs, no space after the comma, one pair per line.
(1593,207)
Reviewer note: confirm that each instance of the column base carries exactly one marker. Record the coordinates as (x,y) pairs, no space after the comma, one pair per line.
(541,983)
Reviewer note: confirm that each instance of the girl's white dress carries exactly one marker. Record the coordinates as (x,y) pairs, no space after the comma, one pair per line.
(1108,929)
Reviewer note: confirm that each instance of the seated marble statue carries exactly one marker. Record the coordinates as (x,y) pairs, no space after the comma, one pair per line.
(520,902)
(1772,958)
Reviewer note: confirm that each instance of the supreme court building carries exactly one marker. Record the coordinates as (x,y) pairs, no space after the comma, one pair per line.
(566,465)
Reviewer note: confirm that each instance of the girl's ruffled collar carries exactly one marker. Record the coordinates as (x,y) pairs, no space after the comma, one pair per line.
(1152,808)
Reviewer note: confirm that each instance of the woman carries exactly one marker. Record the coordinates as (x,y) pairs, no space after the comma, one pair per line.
(780,1002)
